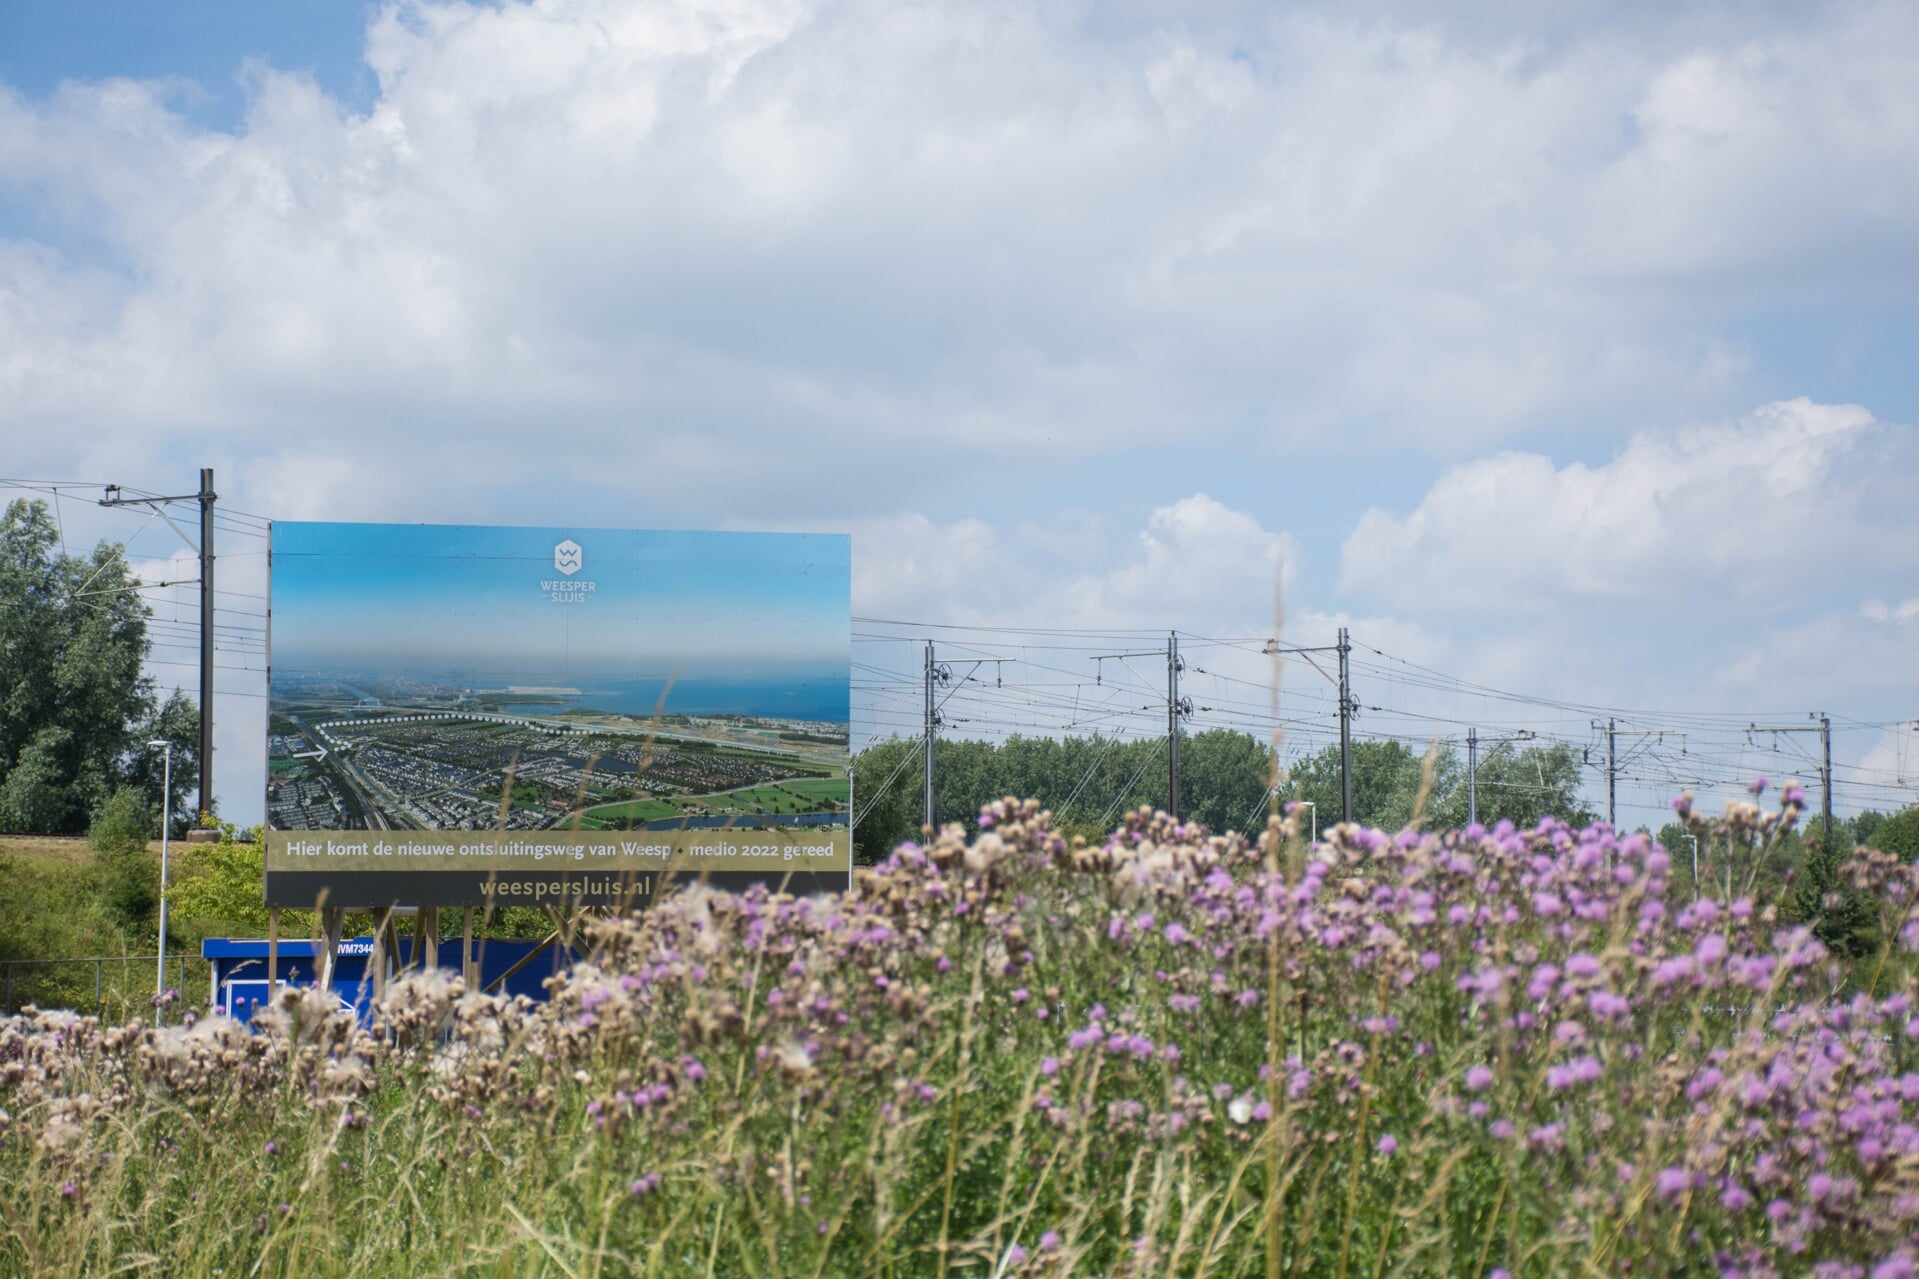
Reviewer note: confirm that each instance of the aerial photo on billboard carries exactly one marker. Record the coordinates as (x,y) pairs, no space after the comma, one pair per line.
(554,716)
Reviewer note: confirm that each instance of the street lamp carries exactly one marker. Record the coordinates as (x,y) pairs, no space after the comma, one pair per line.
(166,829)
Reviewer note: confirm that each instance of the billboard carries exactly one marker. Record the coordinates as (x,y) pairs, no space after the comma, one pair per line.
(468,715)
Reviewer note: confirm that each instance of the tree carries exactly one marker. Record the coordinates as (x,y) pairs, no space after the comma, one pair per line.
(1680,844)
(176,720)
(1898,834)
(1523,785)
(1840,915)
(1223,779)
(75,709)
(886,796)
(1387,779)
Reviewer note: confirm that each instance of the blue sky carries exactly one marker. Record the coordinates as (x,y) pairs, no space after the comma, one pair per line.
(457,597)
(1562,354)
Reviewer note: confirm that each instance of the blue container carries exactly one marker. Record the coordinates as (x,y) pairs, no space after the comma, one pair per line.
(240,968)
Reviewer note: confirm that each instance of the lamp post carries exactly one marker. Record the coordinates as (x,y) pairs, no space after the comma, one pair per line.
(166,829)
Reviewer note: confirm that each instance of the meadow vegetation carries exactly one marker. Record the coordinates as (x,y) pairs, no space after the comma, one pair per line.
(1515,1051)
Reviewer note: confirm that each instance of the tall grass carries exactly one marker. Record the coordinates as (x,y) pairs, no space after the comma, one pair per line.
(1486,1052)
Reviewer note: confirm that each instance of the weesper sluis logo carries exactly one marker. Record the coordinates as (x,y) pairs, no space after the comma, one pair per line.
(569,559)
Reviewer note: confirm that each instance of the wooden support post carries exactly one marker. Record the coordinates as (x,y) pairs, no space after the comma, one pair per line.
(567,923)
(429,958)
(469,970)
(273,952)
(546,944)
(390,961)
(332,921)
(417,958)
(376,959)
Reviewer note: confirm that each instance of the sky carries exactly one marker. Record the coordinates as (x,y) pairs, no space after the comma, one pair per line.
(549,605)
(1559,353)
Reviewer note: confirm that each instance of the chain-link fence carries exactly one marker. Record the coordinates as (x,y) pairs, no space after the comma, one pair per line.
(113,988)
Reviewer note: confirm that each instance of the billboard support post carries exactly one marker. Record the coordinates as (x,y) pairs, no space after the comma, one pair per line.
(332,920)
(273,951)
(376,960)
(546,943)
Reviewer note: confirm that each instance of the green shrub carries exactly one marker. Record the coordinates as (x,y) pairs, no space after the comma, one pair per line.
(124,821)
(129,878)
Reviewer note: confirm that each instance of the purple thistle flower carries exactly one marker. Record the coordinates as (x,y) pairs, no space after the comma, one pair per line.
(1388,1144)
(1049,1241)
(1583,966)
(1606,1004)
(1898,1266)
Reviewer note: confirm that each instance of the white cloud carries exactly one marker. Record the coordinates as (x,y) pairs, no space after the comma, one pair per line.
(1880,611)
(1754,512)
(939,235)
(1864,656)
(1196,564)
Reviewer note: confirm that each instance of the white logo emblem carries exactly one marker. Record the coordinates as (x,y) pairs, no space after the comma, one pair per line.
(568,557)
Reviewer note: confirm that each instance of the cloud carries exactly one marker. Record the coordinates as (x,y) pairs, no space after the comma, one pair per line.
(1867,656)
(1751,513)
(854,234)
(1196,564)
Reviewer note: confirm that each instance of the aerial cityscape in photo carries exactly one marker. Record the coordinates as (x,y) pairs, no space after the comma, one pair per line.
(444,757)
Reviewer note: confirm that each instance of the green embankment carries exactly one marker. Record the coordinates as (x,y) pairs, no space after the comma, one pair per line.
(833,788)
(632,810)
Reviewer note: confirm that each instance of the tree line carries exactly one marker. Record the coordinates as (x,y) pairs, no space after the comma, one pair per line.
(1226,783)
